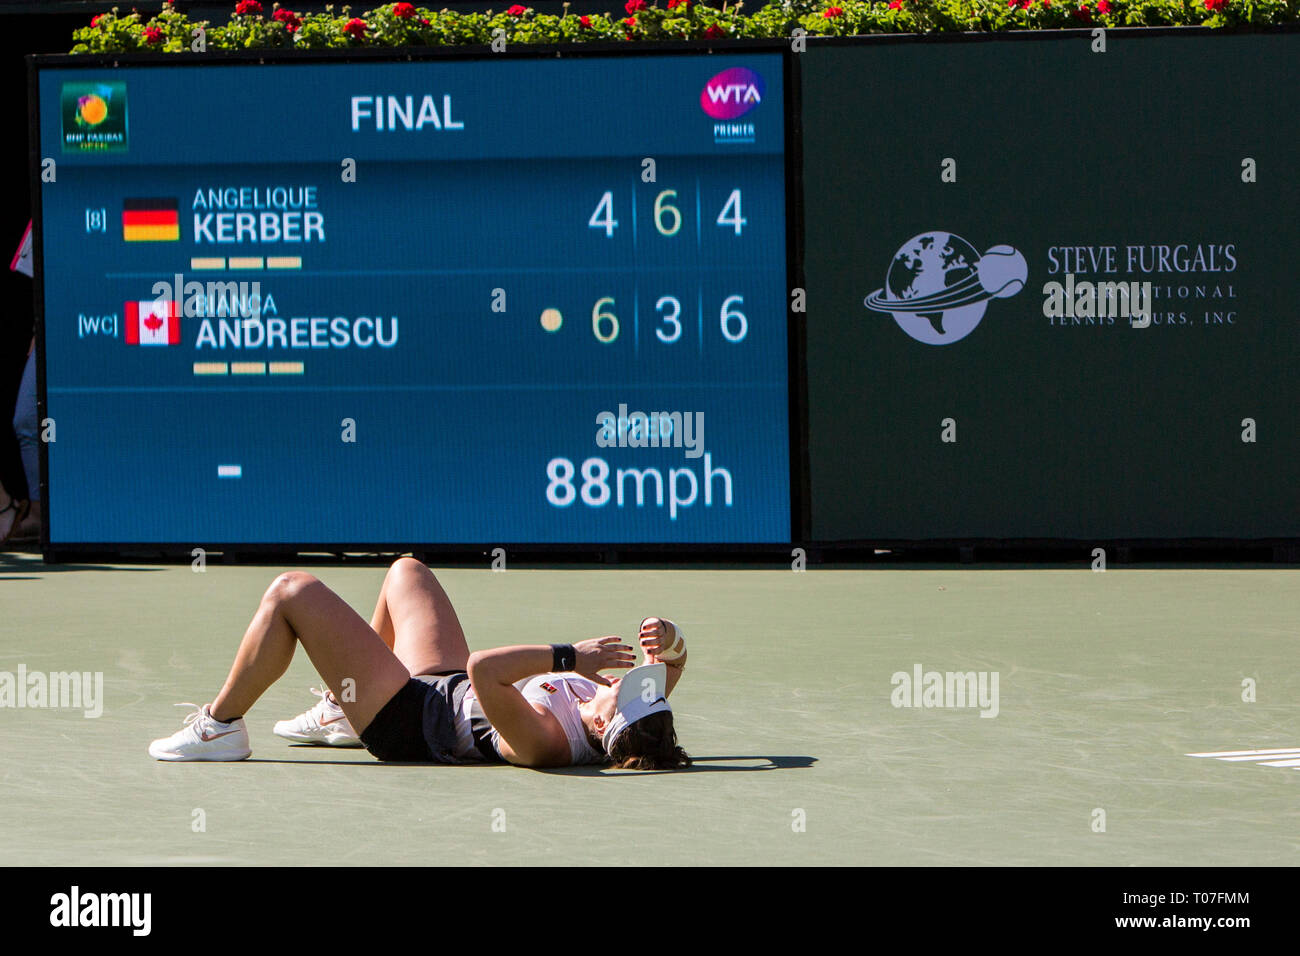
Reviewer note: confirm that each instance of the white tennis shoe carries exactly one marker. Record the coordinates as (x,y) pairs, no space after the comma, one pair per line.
(203,738)
(324,724)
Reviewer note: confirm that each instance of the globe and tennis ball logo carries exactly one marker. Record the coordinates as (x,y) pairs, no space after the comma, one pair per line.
(938,286)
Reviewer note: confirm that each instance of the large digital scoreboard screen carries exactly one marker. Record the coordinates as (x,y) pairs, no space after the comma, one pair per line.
(505,299)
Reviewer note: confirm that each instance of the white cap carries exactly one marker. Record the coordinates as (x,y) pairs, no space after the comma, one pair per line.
(641,692)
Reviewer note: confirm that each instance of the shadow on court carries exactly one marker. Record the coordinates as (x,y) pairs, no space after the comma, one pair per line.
(11,561)
(698,765)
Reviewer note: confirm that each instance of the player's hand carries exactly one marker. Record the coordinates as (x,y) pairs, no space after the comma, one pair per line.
(600,653)
(657,635)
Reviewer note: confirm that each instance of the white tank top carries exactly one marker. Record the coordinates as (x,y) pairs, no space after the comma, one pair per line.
(560,694)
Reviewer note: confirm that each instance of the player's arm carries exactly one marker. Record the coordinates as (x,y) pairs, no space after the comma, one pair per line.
(533,737)
(661,636)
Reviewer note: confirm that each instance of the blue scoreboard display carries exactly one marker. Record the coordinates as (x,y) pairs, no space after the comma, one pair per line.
(458,301)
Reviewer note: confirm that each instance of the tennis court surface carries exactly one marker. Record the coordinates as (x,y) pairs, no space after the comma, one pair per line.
(1105,683)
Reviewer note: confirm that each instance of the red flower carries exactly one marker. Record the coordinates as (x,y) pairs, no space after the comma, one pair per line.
(714,32)
(152,34)
(632,6)
(630,22)
(1103,6)
(517,11)
(290,20)
(94,21)
(674,4)
(1083,13)
(425,21)
(1215,4)
(895,4)
(247,7)
(832,12)
(356,26)
(404,10)
(584,22)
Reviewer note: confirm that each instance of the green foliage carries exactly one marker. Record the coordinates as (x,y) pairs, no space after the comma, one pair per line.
(407,25)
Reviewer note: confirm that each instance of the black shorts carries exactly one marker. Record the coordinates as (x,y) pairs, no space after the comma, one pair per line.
(419,722)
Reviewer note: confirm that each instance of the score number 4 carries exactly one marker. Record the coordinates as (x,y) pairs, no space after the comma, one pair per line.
(667,217)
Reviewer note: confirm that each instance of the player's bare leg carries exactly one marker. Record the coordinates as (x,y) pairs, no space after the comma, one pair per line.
(415,618)
(297,608)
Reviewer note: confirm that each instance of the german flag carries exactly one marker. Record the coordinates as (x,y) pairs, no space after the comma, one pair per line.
(151,220)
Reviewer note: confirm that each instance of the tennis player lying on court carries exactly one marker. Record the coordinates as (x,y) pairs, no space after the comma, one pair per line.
(412,690)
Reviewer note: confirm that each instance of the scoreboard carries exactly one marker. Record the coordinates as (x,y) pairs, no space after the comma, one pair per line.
(497,300)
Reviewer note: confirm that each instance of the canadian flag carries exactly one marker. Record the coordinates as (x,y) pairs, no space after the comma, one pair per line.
(153,323)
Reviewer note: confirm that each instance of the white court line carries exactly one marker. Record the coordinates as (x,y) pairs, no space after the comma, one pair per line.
(1295,762)
(1260,758)
(1248,753)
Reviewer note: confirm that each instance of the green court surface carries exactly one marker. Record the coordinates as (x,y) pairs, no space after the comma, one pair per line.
(1105,682)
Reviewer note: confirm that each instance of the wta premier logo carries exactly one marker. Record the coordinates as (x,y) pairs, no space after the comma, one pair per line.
(732,93)
(938,286)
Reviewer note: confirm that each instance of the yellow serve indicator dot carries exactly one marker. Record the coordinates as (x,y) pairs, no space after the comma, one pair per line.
(552,320)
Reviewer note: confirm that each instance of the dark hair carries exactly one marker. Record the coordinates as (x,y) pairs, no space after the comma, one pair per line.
(649,744)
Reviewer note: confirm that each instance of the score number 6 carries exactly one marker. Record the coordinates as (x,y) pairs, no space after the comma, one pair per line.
(597,316)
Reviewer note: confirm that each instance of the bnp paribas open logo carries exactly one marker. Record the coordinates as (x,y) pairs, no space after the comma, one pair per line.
(94,117)
(938,286)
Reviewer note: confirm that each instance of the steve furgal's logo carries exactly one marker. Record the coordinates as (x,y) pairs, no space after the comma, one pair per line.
(728,96)
(938,286)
